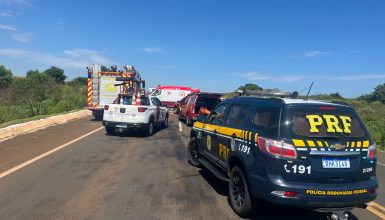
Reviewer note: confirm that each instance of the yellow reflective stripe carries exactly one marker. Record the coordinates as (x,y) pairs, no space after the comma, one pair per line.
(365,144)
(256,137)
(231,131)
(347,144)
(250,134)
(299,143)
(353,144)
(198,124)
(358,143)
(326,144)
(320,144)
(311,143)
(210,127)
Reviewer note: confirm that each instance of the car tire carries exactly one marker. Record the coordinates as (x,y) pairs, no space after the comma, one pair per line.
(239,195)
(165,123)
(110,130)
(150,128)
(193,153)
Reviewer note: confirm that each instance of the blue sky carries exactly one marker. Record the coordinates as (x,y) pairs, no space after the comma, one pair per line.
(214,45)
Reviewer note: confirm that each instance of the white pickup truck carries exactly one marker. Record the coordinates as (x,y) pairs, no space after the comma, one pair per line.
(125,116)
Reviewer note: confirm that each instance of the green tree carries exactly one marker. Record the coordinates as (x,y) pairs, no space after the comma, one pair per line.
(32,72)
(56,73)
(378,94)
(5,77)
(251,86)
(81,80)
(336,95)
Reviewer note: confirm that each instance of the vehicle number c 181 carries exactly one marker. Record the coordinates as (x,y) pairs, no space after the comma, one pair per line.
(301,169)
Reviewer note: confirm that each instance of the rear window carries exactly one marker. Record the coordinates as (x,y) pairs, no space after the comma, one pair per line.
(207,102)
(127,100)
(318,123)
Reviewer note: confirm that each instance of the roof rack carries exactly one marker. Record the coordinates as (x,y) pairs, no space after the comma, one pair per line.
(246,92)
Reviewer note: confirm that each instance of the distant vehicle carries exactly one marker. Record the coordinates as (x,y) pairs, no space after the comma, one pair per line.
(133,110)
(143,115)
(189,110)
(178,105)
(169,95)
(311,154)
(101,86)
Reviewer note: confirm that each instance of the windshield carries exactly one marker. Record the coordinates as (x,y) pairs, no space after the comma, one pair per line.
(324,122)
(156,92)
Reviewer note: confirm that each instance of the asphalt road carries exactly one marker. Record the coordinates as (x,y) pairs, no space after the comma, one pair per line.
(120,177)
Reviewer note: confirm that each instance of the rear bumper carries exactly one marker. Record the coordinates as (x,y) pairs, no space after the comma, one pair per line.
(315,196)
(123,125)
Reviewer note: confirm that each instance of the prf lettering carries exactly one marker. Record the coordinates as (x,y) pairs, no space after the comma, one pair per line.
(332,123)
(223,151)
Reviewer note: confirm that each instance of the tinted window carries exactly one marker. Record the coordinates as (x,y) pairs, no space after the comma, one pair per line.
(192,100)
(155,101)
(266,121)
(313,122)
(217,115)
(207,102)
(237,115)
(145,101)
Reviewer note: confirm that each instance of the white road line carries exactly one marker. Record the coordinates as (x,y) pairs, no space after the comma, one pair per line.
(180,126)
(18,167)
(381,164)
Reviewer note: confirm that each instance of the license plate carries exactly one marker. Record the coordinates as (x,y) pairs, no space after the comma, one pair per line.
(121,126)
(335,163)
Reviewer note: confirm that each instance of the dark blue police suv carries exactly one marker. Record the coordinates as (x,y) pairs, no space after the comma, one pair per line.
(311,154)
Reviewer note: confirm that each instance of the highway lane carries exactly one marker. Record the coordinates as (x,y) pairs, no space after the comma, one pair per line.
(116,177)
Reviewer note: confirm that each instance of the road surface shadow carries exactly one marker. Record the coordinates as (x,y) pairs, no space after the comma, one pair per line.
(270,211)
(135,133)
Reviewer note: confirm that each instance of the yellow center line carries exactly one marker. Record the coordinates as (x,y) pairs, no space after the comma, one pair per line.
(376,212)
(377,206)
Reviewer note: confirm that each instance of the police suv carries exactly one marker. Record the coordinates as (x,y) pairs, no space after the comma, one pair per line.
(311,154)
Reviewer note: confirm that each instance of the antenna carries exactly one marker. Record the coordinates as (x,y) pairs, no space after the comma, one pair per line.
(307,95)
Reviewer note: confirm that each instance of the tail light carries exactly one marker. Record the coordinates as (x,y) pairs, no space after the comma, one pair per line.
(142,109)
(287,194)
(277,148)
(106,107)
(372,151)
